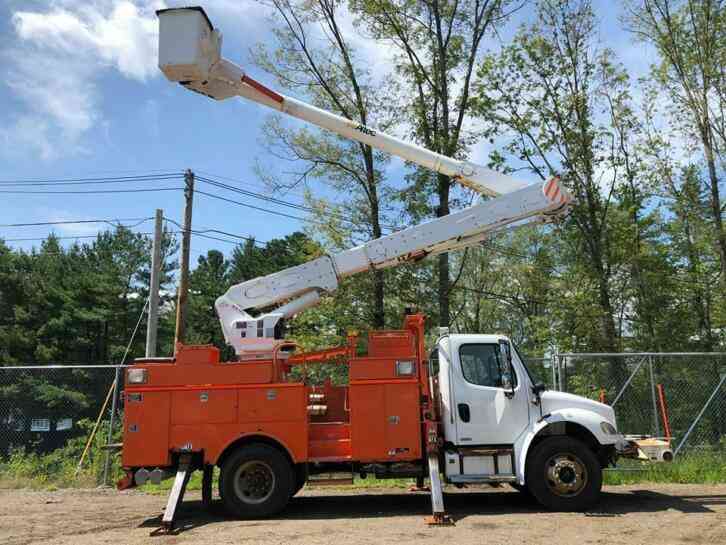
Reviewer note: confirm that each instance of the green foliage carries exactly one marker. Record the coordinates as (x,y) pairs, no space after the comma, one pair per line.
(701,468)
(23,468)
(75,305)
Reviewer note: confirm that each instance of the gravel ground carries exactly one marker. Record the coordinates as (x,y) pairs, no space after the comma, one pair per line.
(633,515)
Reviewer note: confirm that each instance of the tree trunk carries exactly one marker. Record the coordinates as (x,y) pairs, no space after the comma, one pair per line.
(715,202)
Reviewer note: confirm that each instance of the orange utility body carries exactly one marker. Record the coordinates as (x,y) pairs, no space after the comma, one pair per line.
(195,403)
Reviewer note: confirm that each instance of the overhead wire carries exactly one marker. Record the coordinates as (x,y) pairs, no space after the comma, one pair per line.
(92,192)
(116,222)
(202,233)
(281,202)
(252,206)
(141,177)
(210,179)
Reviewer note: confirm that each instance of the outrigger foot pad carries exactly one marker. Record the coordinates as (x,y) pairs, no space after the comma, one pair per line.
(439,519)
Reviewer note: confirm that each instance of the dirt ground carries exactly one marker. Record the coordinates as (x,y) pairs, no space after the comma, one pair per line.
(659,514)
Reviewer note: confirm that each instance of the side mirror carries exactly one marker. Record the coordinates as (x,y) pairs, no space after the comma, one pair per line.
(538,388)
(507,377)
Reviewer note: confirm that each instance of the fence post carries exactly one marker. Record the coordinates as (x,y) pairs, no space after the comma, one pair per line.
(652,395)
(111,422)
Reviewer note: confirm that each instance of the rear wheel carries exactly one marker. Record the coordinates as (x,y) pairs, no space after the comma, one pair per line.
(256,481)
(563,474)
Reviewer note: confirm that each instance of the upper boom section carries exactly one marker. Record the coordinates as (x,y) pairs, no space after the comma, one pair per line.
(190,54)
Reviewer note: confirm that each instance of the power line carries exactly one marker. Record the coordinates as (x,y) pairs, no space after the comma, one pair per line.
(275,212)
(92,180)
(244,182)
(56,237)
(115,222)
(281,202)
(159,177)
(76,237)
(228,187)
(203,230)
(55,184)
(252,206)
(94,192)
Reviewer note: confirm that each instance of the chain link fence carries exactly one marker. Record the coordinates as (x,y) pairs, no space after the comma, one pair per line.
(47,414)
(541,369)
(660,394)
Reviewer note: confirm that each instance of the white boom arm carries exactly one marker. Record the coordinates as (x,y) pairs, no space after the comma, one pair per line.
(190,53)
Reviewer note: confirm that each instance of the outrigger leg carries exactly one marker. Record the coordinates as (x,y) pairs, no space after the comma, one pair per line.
(439,517)
(176,495)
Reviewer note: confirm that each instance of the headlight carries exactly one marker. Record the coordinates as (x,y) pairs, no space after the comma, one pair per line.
(136,376)
(608,428)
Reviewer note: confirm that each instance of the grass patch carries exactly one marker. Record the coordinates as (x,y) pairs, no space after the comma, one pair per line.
(693,468)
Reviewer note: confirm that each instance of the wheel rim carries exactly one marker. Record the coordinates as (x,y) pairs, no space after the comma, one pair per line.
(254,482)
(565,475)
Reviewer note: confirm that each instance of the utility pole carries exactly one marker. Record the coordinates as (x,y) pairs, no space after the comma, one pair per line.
(152,324)
(181,305)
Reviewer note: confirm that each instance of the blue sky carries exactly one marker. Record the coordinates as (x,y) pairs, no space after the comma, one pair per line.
(81,96)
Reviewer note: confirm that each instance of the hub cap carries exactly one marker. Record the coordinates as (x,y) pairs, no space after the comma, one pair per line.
(254,482)
(565,475)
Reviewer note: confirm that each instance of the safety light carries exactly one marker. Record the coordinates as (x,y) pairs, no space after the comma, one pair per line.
(404,368)
(136,376)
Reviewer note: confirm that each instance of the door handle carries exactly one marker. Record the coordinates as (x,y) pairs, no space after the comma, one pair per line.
(464,412)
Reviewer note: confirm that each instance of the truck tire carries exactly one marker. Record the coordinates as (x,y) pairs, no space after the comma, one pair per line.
(563,474)
(256,481)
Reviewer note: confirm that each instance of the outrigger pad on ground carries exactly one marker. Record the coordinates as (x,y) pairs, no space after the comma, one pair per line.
(440,519)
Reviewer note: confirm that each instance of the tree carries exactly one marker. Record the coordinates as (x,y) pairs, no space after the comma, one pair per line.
(208,281)
(438,44)
(690,36)
(543,89)
(333,77)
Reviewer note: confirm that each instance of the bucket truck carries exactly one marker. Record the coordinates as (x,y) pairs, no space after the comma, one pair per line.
(467,409)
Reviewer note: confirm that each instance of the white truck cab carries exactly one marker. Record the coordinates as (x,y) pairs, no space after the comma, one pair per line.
(500,425)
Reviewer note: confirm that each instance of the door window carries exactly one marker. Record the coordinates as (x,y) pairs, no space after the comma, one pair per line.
(483,365)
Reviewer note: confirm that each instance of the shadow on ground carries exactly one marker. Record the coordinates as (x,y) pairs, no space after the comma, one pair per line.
(192,514)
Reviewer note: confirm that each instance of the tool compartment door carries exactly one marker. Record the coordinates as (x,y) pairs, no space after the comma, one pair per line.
(385,421)
(146,429)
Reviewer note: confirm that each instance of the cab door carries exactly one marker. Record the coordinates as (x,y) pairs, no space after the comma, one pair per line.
(490,399)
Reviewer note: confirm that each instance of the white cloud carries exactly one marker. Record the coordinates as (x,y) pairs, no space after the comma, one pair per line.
(55,61)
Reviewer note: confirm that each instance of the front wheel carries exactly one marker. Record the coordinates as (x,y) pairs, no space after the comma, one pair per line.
(255,481)
(563,474)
